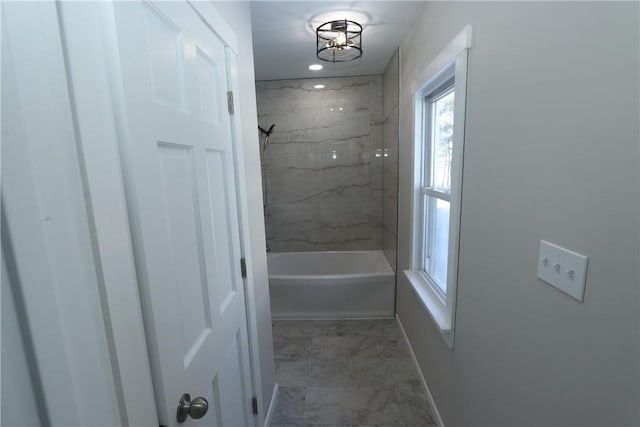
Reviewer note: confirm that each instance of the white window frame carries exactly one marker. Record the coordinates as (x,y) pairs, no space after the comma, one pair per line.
(437,89)
(450,63)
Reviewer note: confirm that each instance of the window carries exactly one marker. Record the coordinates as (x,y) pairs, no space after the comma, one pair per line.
(440,96)
(437,150)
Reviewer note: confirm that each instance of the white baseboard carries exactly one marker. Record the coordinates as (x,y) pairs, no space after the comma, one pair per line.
(424,381)
(272,405)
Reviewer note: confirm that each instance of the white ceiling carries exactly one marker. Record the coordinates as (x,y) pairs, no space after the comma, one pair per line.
(284,35)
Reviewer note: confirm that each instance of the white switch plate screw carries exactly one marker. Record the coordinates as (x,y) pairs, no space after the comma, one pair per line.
(553,260)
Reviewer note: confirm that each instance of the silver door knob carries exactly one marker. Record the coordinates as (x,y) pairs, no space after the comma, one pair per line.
(196,408)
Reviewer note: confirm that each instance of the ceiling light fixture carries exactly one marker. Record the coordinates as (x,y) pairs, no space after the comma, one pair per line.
(339,41)
(315,67)
(319,86)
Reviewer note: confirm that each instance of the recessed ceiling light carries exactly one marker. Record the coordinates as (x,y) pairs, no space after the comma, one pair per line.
(315,67)
(319,86)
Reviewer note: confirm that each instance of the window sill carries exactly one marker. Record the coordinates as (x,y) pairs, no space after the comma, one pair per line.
(432,304)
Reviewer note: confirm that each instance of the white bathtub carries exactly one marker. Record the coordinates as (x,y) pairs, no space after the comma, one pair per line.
(331,285)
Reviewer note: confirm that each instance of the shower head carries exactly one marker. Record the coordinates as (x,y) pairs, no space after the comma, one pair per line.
(267,133)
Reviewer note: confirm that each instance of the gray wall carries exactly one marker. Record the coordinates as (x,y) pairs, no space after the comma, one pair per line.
(551,152)
(323,165)
(391,85)
(238,16)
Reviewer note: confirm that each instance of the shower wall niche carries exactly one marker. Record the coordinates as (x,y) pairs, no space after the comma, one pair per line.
(322,168)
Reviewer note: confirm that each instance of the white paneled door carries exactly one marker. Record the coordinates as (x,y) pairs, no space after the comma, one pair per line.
(175,129)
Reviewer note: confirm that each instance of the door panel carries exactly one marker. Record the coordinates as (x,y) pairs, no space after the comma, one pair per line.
(220,224)
(183,225)
(208,73)
(181,190)
(166,59)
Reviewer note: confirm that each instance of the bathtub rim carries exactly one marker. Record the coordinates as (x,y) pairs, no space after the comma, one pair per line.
(358,275)
(330,276)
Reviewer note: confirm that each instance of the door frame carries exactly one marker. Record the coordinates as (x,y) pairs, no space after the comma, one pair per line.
(89,39)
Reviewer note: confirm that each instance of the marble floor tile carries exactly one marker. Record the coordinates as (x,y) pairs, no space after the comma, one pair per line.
(403,370)
(297,328)
(398,405)
(329,372)
(382,347)
(291,348)
(371,372)
(347,373)
(374,328)
(292,373)
(367,406)
(333,347)
(290,408)
(417,387)
(336,405)
(326,347)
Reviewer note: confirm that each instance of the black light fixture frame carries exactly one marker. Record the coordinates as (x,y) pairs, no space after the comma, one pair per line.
(326,35)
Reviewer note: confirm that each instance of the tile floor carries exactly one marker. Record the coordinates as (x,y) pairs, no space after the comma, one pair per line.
(353,373)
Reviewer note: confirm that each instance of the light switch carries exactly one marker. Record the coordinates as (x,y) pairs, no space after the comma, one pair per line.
(563,269)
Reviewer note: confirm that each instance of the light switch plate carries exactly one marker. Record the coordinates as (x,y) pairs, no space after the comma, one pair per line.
(563,269)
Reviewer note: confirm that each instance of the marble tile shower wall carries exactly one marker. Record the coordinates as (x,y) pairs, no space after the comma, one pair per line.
(390,168)
(323,165)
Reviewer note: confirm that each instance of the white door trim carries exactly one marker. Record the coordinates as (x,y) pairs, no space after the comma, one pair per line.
(245,241)
(88,30)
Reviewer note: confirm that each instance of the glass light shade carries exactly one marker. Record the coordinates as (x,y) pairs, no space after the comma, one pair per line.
(339,41)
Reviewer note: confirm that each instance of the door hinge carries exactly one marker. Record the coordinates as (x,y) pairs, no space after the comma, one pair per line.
(243,267)
(254,404)
(230,101)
